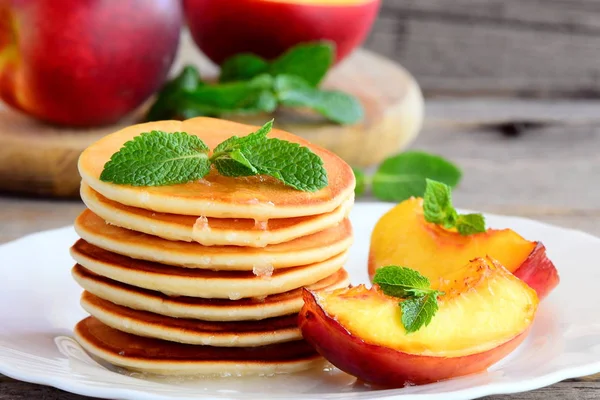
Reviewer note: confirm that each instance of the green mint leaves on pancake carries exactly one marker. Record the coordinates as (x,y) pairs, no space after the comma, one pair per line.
(438,209)
(293,91)
(158,158)
(249,84)
(228,158)
(419,303)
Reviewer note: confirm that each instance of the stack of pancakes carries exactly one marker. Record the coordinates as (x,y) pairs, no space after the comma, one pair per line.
(206,277)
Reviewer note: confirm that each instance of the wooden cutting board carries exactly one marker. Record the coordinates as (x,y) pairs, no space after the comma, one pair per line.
(40,159)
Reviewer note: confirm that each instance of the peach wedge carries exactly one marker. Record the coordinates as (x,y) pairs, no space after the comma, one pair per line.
(484,314)
(403,237)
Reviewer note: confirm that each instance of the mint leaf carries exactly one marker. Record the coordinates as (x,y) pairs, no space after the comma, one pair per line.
(361,182)
(403,176)
(309,61)
(167,104)
(418,312)
(236,97)
(339,107)
(294,165)
(230,161)
(242,67)
(438,209)
(241,159)
(401,281)
(467,224)
(437,204)
(158,158)
(420,300)
(235,142)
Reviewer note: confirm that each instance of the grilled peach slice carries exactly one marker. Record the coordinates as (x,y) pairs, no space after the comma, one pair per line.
(486,313)
(403,237)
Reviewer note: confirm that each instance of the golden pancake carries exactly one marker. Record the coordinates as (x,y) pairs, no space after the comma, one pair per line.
(193,331)
(211,231)
(258,197)
(169,358)
(309,249)
(198,308)
(203,283)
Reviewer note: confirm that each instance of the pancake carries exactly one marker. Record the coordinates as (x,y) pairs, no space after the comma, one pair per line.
(309,249)
(193,331)
(211,231)
(199,308)
(169,358)
(256,197)
(203,283)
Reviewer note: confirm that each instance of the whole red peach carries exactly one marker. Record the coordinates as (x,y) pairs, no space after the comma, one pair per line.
(223,28)
(85,62)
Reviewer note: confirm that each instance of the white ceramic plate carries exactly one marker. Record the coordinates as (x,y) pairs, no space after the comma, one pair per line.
(39,305)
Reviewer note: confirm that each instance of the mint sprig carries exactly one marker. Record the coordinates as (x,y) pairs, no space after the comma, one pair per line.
(249,84)
(438,209)
(168,102)
(159,158)
(307,61)
(292,91)
(419,303)
(242,67)
(403,175)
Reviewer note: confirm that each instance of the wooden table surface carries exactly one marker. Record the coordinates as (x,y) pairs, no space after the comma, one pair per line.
(537,159)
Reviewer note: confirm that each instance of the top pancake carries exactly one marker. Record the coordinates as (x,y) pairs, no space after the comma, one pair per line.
(210,231)
(256,197)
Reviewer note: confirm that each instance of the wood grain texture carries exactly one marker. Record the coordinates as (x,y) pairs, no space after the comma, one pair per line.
(481,112)
(500,47)
(545,172)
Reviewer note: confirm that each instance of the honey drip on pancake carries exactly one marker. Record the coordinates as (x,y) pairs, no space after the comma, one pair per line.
(261,225)
(263,270)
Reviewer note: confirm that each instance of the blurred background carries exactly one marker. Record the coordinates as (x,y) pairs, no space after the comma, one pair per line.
(494,47)
(505,89)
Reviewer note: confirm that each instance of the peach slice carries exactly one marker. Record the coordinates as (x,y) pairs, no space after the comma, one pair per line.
(403,237)
(484,315)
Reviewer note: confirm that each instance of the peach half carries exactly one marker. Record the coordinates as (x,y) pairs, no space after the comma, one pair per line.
(485,313)
(403,237)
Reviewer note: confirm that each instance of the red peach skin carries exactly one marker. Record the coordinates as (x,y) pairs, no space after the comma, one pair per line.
(538,272)
(384,366)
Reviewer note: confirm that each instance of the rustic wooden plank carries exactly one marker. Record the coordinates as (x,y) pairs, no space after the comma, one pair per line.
(561,390)
(573,16)
(529,48)
(445,113)
(569,390)
(13,390)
